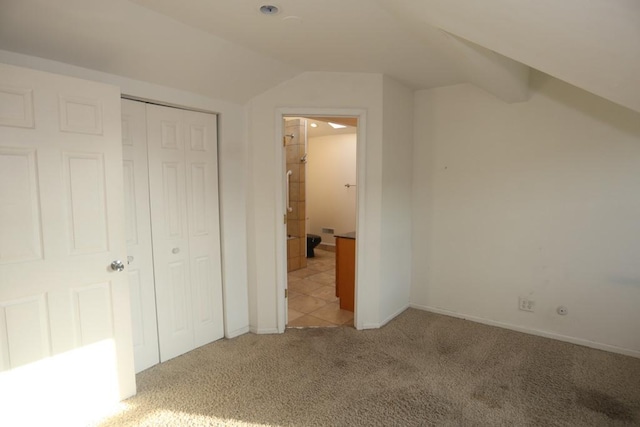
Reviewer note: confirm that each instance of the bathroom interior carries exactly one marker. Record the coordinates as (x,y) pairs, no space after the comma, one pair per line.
(321,195)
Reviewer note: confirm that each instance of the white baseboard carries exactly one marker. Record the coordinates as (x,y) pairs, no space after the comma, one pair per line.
(546,334)
(393,316)
(385,321)
(369,326)
(264,331)
(237,332)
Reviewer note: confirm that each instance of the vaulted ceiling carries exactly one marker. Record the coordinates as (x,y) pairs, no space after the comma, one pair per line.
(227,49)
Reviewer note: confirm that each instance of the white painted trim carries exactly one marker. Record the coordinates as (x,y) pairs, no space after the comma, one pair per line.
(280,237)
(537,332)
(281,227)
(394,315)
(361,235)
(237,332)
(368,326)
(387,320)
(265,331)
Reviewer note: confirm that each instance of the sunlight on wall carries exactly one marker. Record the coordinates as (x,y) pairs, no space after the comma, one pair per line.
(67,389)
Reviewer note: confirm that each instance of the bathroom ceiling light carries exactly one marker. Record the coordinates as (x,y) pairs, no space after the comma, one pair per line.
(314,125)
(269,9)
(336,126)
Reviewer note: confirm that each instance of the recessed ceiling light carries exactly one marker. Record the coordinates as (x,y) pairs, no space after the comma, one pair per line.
(269,9)
(314,125)
(336,126)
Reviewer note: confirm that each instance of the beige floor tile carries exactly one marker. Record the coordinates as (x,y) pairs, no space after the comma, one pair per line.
(332,313)
(311,289)
(321,253)
(306,303)
(327,293)
(324,278)
(330,259)
(291,278)
(293,294)
(324,266)
(293,314)
(302,273)
(304,286)
(308,320)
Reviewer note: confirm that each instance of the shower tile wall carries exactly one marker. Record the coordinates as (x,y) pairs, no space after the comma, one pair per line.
(296,224)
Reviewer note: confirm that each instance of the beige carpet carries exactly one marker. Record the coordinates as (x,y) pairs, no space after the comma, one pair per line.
(421,369)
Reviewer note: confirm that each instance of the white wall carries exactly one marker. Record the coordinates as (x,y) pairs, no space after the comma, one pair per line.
(383,212)
(265,207)
(395,270)
(232,153)
(539,199)
(331,163)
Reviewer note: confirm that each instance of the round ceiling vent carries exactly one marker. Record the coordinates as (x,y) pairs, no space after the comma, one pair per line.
(269,9)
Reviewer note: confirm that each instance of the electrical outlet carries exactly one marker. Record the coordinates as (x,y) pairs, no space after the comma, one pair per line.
(525,304)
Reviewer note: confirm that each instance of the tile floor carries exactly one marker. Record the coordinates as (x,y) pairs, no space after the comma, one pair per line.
(312,294)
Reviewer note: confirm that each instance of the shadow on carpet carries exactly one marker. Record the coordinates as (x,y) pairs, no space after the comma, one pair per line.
(420,369)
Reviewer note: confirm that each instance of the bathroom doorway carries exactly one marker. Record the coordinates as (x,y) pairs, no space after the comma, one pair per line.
(319,157)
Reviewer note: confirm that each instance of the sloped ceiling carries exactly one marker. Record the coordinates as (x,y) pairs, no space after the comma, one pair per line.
(120,37)
(592,44)
(226,49)
(354,36)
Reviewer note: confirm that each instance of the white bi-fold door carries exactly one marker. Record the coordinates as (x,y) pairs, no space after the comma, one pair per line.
(65,324)
(138,234)
(183,194)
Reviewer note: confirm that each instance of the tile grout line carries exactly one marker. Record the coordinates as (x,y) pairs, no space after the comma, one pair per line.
(326,264)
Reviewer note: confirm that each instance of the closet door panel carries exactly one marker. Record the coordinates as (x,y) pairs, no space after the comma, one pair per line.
(203,224)
(165,135)
(138,234)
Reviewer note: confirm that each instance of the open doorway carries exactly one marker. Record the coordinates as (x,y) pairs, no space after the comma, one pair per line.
(320,156)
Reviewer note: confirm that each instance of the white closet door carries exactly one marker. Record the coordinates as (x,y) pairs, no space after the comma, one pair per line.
(184,216)
(204,225)
(138,234)
(165,135)
(65,322)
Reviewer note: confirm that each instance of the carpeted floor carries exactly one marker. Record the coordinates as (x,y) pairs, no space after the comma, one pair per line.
(421,369)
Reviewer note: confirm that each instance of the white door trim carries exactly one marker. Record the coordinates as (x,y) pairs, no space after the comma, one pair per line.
(280,238)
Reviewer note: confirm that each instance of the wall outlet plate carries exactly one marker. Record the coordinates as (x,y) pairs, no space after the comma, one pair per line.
(525,304)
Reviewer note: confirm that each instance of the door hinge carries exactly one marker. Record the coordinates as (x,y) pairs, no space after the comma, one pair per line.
(284,141)
(285,218)
(286,293)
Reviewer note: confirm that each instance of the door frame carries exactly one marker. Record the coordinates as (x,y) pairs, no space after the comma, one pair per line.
(281,231)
